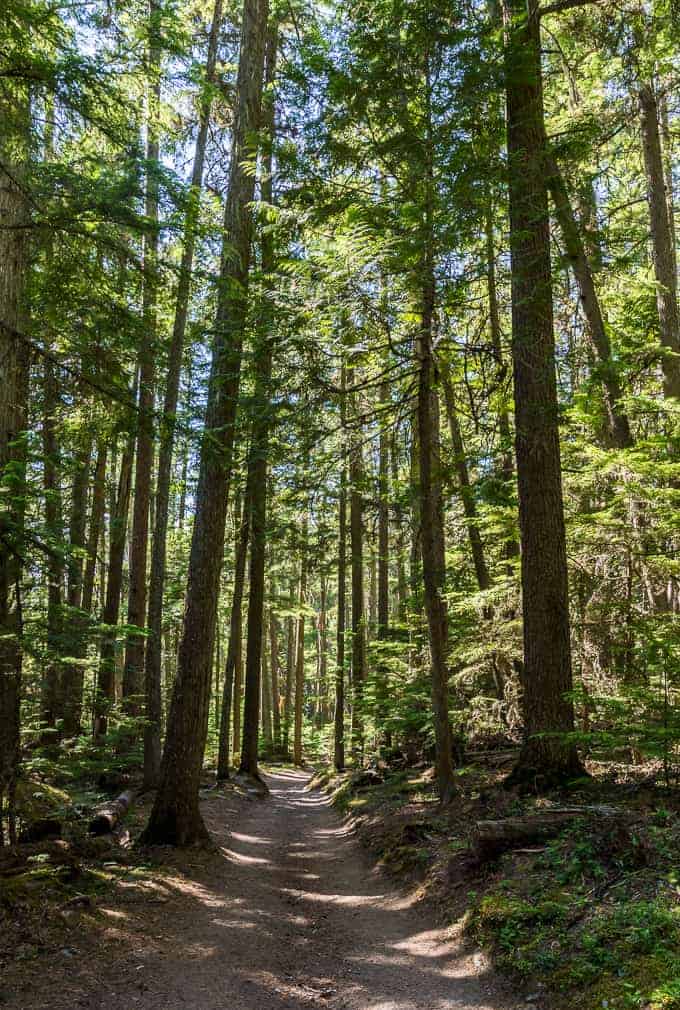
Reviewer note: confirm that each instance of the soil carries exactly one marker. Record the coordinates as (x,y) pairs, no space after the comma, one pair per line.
(289,912)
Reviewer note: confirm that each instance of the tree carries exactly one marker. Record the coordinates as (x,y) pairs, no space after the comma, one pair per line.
(175,817)
(547,755)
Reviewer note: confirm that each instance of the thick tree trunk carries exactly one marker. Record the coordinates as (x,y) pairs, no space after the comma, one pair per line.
(152,664)
(432,545)
(14,354)
(175,817)
(430,494)
(467,494)
(259,451)
(548,712)
(105,693)
(617,425)
(663,255)
(258,533)
(133,670)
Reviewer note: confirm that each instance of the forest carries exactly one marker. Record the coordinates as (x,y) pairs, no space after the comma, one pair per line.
(339,499)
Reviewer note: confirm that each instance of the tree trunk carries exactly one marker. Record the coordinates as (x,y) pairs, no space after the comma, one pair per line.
(133,670)
(507,463)
(548,713)
(339,721)
(402,584)
(290,673)
(432,545)
(275,677)
(663,256)
(105,693)
(467,494)
(175,817)
(231,691)
(323,652)
(14,354)
(300,655)
(110,814)
(94,536)
(430,496)
(72,673)
(51,700)
(617,425)
(258,532)
(383,607)
(356,477)
(152,666)
(259,451)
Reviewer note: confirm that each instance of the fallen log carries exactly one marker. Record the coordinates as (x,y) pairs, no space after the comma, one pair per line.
(110,814)
(494,837)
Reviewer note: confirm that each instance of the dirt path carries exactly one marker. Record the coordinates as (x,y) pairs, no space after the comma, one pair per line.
(290,914)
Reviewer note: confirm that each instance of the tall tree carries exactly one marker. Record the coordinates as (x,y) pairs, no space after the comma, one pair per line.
(133,671)
(152,664)
(175,817)
(547,754)
(14,354)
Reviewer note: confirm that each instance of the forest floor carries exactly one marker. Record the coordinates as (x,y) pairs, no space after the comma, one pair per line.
(288,912)
(586,919)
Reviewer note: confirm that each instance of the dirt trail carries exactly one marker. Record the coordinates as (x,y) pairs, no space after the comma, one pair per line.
(290,914)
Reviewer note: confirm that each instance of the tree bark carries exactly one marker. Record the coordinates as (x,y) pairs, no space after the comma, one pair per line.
(14,354)
(339,720)
(290,673)
(51,700)
(617,424)
(402,583)
(546,756)
(300,654)
(275,677)
(495,837)
(175,817)
(72,673)
(133,670)
(259,451)
(383,603)
(467,494)
(663,256)
(358,604)
(234,646)
(152,665)
(507,463)
(105,692)
(111,814)
(430,490)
